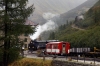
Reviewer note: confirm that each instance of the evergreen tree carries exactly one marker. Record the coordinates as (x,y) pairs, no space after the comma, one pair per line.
(67,22)
(52,36)
(96,14)
(13,14)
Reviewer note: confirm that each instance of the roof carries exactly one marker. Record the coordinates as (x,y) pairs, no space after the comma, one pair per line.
(53,42)
(57,42)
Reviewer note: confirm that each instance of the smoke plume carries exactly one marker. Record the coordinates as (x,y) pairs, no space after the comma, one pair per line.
(49,25)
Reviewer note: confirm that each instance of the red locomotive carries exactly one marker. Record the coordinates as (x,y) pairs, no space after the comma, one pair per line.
(58,48)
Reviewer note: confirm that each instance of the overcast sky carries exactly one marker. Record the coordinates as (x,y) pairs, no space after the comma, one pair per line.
(56,4)
(73,1)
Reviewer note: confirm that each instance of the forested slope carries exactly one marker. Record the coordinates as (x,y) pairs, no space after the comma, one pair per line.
(89,37)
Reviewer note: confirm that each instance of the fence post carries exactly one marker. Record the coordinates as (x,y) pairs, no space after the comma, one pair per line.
(43,55)
(77,57)
(84,56)
(94,59)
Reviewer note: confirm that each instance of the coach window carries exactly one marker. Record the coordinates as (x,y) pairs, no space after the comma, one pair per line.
(55,46)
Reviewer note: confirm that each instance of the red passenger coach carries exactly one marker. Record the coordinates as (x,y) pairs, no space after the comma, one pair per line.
(58,48)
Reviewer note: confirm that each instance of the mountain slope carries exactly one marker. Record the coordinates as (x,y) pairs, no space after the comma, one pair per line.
(81,9)
(71,14)
(52,6)
(90,37)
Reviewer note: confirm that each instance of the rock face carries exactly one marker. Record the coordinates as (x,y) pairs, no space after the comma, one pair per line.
(65,63)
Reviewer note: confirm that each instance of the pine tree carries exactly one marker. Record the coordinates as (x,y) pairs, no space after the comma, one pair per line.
(52,36)
(13,14)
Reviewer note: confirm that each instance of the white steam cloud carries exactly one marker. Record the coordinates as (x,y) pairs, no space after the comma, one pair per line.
(49,25)
(49,15)
(80,17)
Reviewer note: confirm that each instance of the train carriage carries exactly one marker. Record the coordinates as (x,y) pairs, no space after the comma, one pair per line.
(58,48)
(79,51)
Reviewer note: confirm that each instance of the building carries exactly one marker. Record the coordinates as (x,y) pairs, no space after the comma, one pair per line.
(24,37)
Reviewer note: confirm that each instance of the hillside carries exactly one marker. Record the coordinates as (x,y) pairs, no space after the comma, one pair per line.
(81,9)
(70,15)
(52,6)
(92,17)
(89,37)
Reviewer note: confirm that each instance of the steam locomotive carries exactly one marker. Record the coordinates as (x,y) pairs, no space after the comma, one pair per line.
(35,44)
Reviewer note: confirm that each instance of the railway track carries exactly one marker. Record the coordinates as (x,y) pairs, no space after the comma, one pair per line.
(63,58)
(87,59)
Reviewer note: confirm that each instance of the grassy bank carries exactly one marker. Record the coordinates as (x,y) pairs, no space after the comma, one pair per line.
(31,62)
